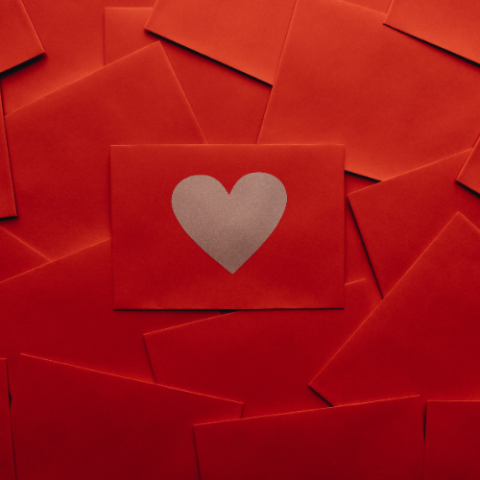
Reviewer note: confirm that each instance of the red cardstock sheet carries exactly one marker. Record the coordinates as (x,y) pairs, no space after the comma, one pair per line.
(357,264)
(17,257)
(470,173)
(300,263)
(7,194)
(63,311)
(373,441)
(19,41)
(61,173)
(229,105)
(263,358)
(71,32)
(343,79)
(74,423)
(247,35)
(7,464)
(452,441)
(446,24)
(423,337)
(400,217)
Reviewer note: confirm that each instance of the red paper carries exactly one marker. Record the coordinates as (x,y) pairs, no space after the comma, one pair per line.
(158,265)
(7,194)
(18,39)
(247,35)
(77,424)
(452,441)
(446,24)
(423,337)
(228,105)
(399,218)
(394,102)
(263,358)
(7,466)
(61,173)
(63,311)
(72,33)
(17,257)
(377,5)
(470,173)
(357,264)
(373,441)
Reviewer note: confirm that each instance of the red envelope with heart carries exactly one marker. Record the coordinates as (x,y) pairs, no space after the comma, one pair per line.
(452,441)
(230,227)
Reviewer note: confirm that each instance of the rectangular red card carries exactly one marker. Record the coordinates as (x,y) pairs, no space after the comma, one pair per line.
(373,441)
(400,217)
(7,465)
(263,358)
(18,39)
(423,337)
(74,423)
(229,105)
(395,103)
(228,227)
(7,194)
(470,173)
(452,441)
(61,173)
(447,24)
(247,35)
(69,317)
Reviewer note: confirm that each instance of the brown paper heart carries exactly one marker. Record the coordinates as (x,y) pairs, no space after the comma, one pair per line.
(230,227)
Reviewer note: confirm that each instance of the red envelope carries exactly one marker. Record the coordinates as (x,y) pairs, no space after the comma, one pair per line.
(228,227)
(17,257)
(447,24)
(63,311)
(394,102)
(452,441)
(7,194)
(400,217)
(74,423)
(263,358)
(357,265)
(18,39)
(61,174)
(373,441)
(470,173)
(423,337)
(228,105)
(72,33)
(246,34)
(7,465)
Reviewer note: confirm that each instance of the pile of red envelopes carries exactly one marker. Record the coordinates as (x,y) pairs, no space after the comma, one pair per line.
(239,239)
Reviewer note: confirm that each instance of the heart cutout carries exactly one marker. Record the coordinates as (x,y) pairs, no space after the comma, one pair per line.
(230,227)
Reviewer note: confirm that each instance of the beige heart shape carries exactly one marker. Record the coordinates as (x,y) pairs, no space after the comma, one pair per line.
(230,227)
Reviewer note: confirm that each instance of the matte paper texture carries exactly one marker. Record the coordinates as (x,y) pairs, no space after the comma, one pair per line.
(395,103)
(263,358)
(228,104)
(423,337)
(372,441)
(80,415)
(156,262)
